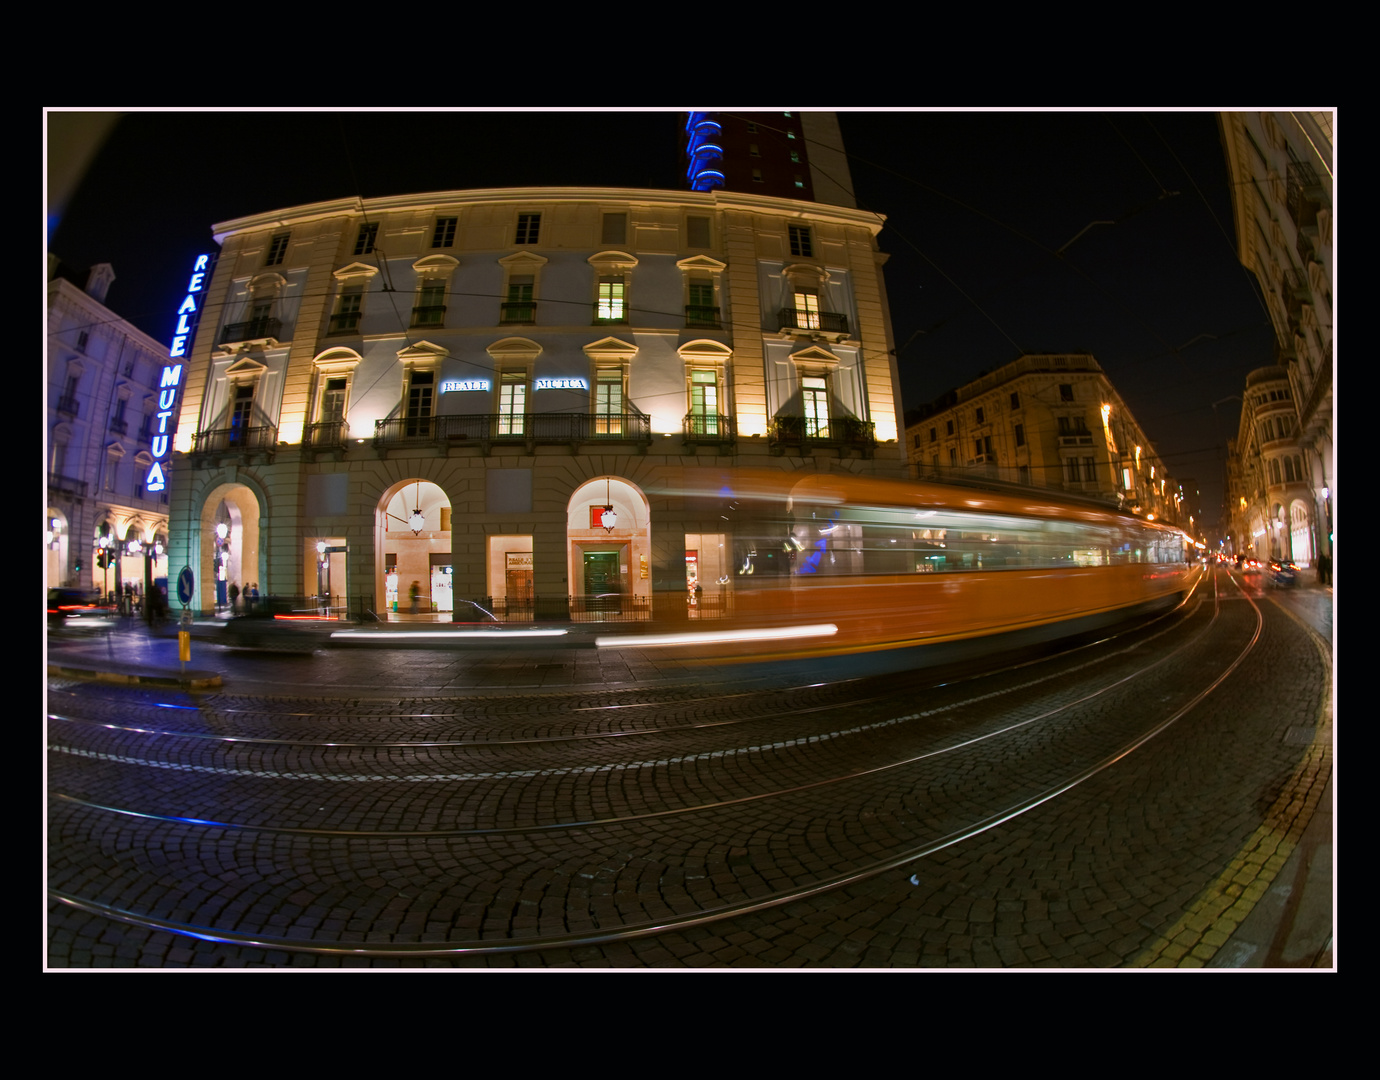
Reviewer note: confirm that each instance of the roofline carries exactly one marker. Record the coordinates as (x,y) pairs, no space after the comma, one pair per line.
(715,200)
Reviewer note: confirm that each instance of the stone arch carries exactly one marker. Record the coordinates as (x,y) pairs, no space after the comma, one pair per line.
(415,544)
(241,506)
(607,562)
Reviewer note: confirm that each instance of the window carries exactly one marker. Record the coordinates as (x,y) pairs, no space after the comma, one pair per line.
(528,228)
(364,245)
(950,430)
(277,249)
(82,339)
(332,409)
(241,412)
(520,306)
(980,414)
(702,311)
(1020,434)
(1015,400)
(443,236)
(806,309)
(697,232)
(753,151)
(421,387)
(615,229)
(756,176)
(512,402)
(1089,469)
(795,157)
(612,305)
(934,434)
(800,241)
(704,401)
(347,310)
(430,309)
(814,394)
(608,401)
(799,181)
(1065,391)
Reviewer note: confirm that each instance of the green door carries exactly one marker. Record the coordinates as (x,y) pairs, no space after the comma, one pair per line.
(601,581)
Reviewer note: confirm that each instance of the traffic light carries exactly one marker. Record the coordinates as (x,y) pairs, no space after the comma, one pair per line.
(100,559)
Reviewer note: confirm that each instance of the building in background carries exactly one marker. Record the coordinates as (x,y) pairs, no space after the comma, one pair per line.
(488,393)
(102,528)
(1270,494)
(1281,170)
(787,155)
(1052,421)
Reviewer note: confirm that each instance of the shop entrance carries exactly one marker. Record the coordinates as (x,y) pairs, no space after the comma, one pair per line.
(602,588)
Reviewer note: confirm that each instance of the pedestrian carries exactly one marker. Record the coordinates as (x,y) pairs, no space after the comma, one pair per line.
(234,593)
(1324,569)
(253,597)
(415,592)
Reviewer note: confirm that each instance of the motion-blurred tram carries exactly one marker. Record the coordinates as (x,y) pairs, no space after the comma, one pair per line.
(828,564)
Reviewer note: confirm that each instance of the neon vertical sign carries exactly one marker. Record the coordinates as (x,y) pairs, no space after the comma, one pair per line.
(187,315)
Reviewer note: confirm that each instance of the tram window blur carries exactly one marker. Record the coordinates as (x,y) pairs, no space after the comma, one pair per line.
(831,541)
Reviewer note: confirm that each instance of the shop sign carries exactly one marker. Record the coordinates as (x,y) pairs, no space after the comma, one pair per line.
(451,386)
(519,560)
(561,384)
(187,316)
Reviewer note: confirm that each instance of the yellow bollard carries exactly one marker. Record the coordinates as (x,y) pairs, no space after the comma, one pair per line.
(184,646)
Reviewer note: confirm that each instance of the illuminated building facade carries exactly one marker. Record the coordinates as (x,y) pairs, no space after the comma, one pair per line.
(454,389)
(103,527)
(1281,169)
(1052,421)
(1270,494)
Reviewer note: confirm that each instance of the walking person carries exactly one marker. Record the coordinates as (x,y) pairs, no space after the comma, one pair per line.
(234,593)
(414,591)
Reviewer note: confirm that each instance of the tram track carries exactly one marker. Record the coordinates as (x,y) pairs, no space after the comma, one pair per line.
(703,913)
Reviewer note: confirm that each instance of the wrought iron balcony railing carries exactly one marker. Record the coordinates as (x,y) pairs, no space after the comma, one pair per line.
(67,405)
(431,315)
(702,315)
(524,312)
(326,434)
(709,427)
(488,428)
(252,330)
(827,322)
(841,431)
(232,439)
(347,322)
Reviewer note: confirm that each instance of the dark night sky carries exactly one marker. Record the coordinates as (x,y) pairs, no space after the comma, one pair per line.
(977,205)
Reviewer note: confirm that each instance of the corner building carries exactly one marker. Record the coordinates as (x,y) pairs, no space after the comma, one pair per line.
(454,389)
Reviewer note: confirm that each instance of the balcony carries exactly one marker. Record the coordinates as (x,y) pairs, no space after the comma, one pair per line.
(825,322)
(68,405)
(232,440)
(119,427)
(702,315)
(709,428)
(1304,195)
(842,433)
(1073,439)
(263,329)
(517,313)
(326,435)
(430,315)
(66,485)
(525,429)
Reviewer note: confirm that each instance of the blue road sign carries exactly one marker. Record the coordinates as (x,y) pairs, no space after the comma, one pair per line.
(186,585)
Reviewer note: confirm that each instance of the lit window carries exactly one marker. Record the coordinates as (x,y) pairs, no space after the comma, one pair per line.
(612,305)
(806,309)
(814,396)
(512,402)
(608,401)
(704,402)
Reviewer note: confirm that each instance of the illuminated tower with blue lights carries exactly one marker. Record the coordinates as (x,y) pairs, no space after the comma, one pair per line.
(787,155)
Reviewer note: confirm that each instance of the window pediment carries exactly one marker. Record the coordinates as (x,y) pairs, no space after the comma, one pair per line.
(245,369)
(338,359)
(267,283)
(814,357)
(705,351)
(355,273)
(423,352)
(524,262)
(517,350)
(436,265)
(610,350)
(612,262)
(702,263)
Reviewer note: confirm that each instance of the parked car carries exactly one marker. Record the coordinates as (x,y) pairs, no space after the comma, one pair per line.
(1283,573)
